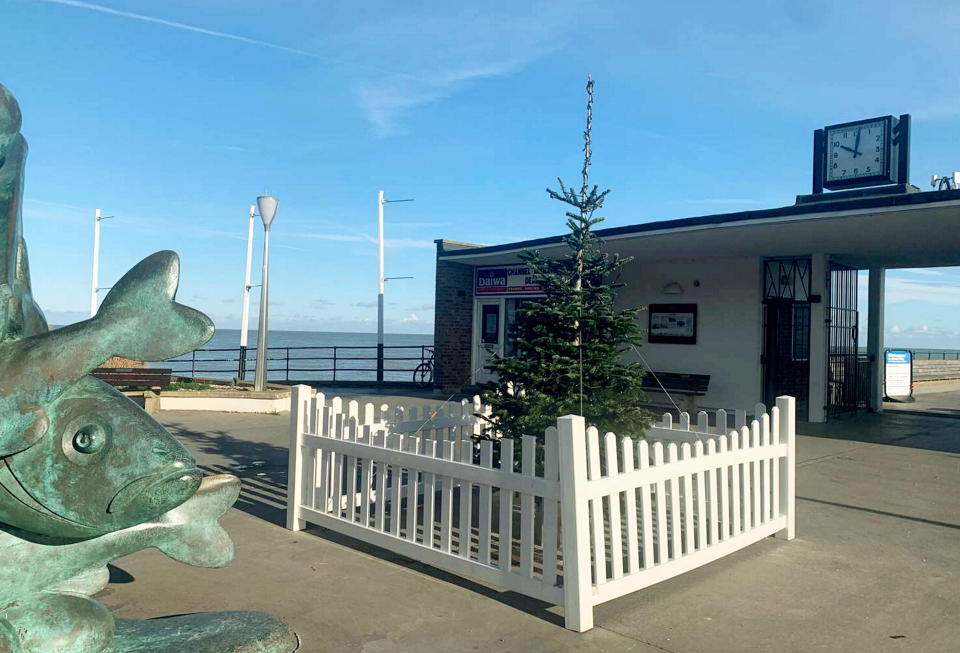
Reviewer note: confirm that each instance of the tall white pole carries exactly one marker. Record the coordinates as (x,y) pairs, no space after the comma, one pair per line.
(94,279)
(245,309)
(260,378)
(380,203)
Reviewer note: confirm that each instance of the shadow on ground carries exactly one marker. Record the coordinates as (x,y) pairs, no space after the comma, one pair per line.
(898,428)
(260,466)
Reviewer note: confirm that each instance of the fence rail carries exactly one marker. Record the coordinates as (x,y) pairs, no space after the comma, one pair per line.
(316,363)
(572,517)
(937,355)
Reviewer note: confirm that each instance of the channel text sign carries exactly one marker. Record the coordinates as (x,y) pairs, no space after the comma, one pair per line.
(505,280)
(898,373)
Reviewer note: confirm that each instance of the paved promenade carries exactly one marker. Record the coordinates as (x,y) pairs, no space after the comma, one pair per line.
(875,566)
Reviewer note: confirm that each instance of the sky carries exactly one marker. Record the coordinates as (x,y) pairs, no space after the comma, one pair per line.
(173,115)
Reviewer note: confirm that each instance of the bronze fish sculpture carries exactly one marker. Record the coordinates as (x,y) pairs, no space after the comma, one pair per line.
(85,474)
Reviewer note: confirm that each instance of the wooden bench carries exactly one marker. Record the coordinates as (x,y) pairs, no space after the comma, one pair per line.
(134,377)
(688,387)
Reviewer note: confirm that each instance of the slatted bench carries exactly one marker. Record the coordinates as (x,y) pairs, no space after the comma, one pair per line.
(134,377)
(687,387)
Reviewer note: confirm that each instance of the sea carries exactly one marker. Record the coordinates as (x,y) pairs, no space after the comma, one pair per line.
(307,356)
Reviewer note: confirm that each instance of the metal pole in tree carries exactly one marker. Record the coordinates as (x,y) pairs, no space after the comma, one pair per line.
(268,210)
(245,310)
(94,280)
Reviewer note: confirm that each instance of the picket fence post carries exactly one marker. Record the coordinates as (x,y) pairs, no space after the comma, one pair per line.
(575,524)
(786,407)
(299,402)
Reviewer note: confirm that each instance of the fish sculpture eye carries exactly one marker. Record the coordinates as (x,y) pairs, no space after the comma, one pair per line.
(89,439)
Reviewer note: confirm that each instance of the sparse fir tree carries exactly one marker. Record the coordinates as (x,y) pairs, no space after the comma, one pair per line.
(569,343)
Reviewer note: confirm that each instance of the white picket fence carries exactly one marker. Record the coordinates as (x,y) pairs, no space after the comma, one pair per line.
(574,519)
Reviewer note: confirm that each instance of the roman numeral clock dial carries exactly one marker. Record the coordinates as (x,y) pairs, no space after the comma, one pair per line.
(856,151)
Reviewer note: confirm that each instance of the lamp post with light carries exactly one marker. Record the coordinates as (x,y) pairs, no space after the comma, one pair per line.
(95,277)
(267,204)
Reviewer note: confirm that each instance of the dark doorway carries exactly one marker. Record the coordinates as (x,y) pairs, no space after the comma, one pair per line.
(845,370)
(786,331)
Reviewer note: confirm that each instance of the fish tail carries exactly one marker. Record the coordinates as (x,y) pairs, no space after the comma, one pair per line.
(192,533)
(142,317)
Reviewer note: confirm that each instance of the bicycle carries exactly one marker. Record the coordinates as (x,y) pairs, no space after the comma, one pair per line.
(423,374)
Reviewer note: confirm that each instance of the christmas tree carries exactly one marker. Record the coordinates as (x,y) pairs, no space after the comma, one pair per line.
(569,343)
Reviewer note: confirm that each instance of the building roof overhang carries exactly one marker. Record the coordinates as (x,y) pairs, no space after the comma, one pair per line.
(906,230)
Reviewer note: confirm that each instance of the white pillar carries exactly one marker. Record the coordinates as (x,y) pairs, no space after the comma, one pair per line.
(875,309)
(95,277)
(818,340)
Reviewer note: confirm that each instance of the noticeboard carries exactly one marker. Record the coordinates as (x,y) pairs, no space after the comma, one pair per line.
(673,323)
(898,373)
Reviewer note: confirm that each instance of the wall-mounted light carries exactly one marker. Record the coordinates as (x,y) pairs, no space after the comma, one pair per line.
(673,288)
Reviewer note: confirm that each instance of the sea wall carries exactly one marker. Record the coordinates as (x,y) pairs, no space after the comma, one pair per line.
(924,370)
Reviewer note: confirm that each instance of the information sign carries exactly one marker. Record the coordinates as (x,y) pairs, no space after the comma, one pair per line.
(898,373)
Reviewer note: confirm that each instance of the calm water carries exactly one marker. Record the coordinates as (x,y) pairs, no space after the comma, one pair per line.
(355,361)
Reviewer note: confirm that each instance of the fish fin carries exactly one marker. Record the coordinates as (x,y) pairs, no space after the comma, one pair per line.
(193,534)
(87,583)
(146,322)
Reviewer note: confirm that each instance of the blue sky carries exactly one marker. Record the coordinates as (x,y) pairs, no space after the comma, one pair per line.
(173,115)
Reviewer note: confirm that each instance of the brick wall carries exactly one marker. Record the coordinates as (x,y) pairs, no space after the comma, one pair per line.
(453,319)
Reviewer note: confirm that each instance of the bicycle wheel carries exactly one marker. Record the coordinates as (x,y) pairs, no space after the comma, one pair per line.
(423,375)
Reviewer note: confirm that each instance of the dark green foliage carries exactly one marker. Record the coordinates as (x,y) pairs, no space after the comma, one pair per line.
(569,343)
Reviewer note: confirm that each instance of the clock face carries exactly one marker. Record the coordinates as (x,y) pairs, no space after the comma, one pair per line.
(856,151)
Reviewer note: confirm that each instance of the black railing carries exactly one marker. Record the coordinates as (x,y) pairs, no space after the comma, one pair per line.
(937,355)
(330,363)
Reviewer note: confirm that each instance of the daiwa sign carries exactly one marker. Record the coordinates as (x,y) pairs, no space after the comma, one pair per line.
(505,280)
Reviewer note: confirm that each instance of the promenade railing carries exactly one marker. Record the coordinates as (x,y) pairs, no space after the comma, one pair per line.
(332,363)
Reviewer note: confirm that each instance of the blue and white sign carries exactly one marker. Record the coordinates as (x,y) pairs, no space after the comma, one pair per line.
(898,373)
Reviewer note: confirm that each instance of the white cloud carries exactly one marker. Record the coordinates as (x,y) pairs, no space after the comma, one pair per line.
(441,51)
(410,318)
(926,272)
(398,243)
(904,290)
(89,6)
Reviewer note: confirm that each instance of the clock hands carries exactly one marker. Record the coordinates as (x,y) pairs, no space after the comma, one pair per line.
(856,146)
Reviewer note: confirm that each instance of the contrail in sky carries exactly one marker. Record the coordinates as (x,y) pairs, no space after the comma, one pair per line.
(189,28)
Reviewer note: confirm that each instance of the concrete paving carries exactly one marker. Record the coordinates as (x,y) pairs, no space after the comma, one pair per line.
(875,566)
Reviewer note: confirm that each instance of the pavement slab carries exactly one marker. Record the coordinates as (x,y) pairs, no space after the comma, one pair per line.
(875,565)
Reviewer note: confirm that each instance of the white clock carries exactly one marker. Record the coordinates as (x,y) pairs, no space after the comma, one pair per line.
(857,151)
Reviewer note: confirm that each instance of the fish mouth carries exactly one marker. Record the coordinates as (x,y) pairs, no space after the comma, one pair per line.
(150,496)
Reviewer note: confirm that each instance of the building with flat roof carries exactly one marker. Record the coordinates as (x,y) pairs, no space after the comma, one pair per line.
(764,302)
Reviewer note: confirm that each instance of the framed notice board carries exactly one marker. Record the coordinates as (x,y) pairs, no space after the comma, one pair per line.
(673,323)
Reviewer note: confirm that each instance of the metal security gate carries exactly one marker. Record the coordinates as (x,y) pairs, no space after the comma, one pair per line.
(786,331)
(843,354)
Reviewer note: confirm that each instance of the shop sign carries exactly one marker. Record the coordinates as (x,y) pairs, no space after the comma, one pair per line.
(505,280)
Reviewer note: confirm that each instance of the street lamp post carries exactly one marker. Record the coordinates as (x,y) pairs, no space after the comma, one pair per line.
(245,310)
(97,216)
(381,281)
(95,276)
(268,210)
